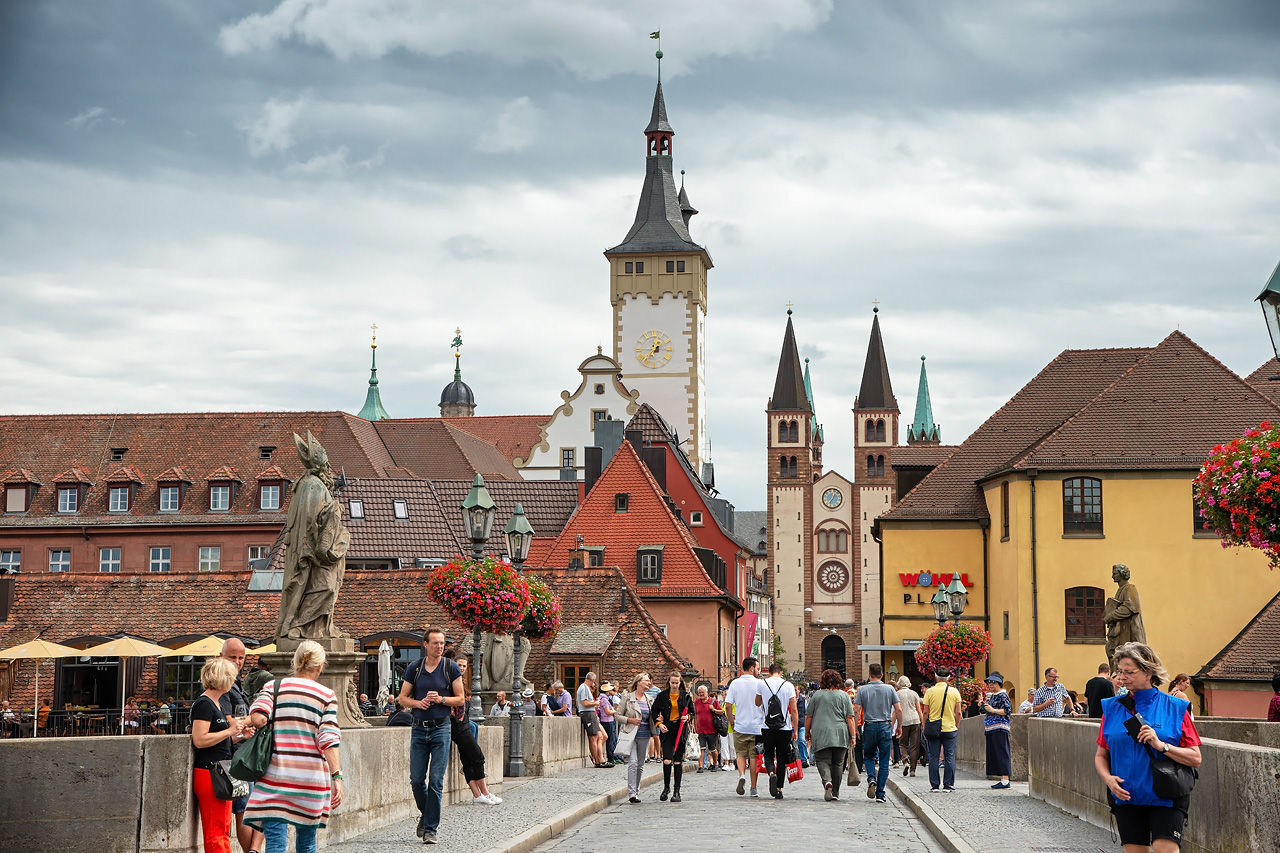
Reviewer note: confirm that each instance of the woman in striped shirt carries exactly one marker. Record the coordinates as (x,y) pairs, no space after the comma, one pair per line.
(304,779)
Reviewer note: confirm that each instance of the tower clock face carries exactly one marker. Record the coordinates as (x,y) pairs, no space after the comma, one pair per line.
(653,349)
(832,498)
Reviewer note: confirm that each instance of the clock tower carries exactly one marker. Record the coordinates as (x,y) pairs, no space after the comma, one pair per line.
(658,290)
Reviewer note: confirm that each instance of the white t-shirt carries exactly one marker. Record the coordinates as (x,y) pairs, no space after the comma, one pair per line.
(786,691)
(747,718)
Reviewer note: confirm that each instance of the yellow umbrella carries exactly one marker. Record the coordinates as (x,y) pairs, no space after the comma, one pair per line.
(206,648)
(263,650)
(38,650)
(124,647)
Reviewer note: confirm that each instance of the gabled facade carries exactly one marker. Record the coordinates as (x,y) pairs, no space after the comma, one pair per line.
(627,520)
(562,443)
(658,290)
(1089,465)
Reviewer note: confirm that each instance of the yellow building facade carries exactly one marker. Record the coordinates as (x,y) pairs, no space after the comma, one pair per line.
(1036,526)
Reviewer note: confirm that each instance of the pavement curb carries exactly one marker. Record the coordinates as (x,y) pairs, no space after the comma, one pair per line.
(939,828)
(558,823)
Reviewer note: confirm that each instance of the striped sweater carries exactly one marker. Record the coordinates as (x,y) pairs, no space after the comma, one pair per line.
(295,788)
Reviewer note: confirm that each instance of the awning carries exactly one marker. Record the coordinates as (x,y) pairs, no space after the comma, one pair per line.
(902,648)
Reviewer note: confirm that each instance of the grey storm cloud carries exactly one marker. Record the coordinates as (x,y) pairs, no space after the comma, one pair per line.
(205,206)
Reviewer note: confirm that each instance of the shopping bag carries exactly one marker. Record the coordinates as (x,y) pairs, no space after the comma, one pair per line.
(760,763)
(795,772)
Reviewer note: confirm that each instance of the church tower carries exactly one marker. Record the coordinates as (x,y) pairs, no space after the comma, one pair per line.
(794,443)
(658,290)
(875,434)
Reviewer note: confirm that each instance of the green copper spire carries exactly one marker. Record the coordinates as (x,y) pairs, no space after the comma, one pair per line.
(808,393)
(923,430)
(373,410)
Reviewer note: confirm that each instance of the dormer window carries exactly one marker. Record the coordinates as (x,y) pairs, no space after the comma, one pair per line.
(649,564)
(15,499)
(117,453)
(266,451)
(118,498)
(170,498)
(269,497)
(220,497)
(69,499)
(621,502)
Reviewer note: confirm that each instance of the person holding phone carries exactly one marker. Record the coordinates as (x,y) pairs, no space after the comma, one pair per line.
(1136,727)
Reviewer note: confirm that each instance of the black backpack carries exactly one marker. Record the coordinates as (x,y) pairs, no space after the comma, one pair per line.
(774,718)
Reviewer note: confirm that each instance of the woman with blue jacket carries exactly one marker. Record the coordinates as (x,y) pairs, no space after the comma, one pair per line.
(1144,821)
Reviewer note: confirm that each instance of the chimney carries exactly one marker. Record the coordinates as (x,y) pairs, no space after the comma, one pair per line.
(609,439)
(577,554)
(592,465)
(655,459)
(636,439)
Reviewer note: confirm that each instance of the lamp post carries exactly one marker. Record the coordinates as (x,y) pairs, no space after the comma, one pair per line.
(957,598)
(941,605)
(477,516)
(1270,299)
(519,535)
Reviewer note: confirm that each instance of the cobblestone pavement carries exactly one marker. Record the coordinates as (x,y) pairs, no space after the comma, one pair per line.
(467,828)
(1000,821)
(714,816)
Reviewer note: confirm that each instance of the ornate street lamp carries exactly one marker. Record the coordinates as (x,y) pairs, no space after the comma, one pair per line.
(957,597)
(1270,299)
(519,535)
(941,605)
(477,516)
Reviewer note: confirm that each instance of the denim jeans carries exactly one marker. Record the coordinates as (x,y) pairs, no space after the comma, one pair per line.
(803,748)
(635,764)
(429,757)
(610,738)
(277,833)
(947,746)
(877,744)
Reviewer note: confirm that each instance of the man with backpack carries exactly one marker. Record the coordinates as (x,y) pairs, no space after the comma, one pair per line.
(745,718)
(777,697)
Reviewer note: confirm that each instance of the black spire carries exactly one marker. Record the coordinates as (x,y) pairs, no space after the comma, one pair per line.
(876,391)
(788,388)
(658,121)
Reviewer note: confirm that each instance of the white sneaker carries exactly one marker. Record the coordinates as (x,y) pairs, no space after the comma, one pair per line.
(495,800)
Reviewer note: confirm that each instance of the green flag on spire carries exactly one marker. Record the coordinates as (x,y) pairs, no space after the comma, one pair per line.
(656,34)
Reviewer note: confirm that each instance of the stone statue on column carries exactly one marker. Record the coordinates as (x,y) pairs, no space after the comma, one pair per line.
(498,667)
(1123,613)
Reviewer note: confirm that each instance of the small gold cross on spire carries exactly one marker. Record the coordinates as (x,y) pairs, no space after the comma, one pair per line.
(374,327)
(789,307)
(875,306)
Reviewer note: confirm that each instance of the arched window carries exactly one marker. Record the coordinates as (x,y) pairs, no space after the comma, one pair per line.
(782,432)
(879,429)
(794,469)
(879,465)
(783,468)
(833,652)
(795,431)
(871,430)
(1085,606)
(1082,505)
(871,465)
(833,541)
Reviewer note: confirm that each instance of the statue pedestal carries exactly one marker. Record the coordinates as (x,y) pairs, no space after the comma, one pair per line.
(342,663)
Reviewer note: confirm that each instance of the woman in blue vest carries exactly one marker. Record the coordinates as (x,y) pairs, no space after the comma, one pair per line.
(1144,821)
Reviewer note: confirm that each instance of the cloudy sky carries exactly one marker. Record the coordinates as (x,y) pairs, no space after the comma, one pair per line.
(203,206)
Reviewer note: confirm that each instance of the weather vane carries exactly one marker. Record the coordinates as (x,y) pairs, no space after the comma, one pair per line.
(457,342)
(875,306)
(657,34)
(374,327)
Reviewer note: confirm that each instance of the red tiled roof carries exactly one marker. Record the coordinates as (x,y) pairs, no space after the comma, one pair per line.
(434,449)
(547,504)
(22,475)
(513,435)
(1266,380)
(74,475)
(225,474)
(271,472)
(1246,658)
(921,455)
(1166,412)
(647,521)
(653,429)
(177,474)
(125,474)
(1058,391)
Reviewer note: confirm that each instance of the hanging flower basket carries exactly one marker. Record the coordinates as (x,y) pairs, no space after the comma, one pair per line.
(542,619)
(1238,491)
(487,594)
(957,647)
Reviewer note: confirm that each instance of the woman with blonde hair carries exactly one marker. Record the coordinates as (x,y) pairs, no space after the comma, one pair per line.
(211,737)
(632,716)
(1162,729)
(304,779)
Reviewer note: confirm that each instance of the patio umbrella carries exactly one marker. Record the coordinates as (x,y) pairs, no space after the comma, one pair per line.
(38,650)
(263,650)
(124,647)
(384,672)
(207,648)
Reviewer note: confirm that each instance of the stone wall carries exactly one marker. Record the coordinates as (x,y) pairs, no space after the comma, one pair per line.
(133,794)
(1235,807)
(551,745)
(971,746)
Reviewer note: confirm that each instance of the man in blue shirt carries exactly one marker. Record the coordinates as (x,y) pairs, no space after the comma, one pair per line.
(432,688)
